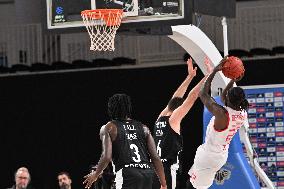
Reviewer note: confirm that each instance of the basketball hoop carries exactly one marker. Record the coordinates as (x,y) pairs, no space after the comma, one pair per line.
(102,25)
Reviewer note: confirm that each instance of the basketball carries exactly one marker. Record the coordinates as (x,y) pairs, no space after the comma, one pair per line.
(233,67)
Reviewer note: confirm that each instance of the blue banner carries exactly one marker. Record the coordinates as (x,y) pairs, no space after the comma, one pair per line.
(266,132)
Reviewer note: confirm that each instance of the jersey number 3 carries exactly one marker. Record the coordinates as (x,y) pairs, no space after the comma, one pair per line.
(137,157)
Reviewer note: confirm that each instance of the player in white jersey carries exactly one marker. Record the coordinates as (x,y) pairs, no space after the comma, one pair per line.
(226,120)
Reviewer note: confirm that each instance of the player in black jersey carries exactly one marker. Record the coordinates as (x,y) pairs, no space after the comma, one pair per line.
(130,146)
(167,127)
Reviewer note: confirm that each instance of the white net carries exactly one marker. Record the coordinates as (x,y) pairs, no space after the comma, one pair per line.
(102,25)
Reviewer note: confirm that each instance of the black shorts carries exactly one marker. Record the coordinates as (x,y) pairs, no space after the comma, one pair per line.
(156,183)
(134,178)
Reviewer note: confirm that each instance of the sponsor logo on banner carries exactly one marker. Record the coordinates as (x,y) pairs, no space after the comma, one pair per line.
(271,164)
(269,114)
(253,139)
(271,158)
(278,114)
(280,183)
(252,125)
(270,129)
(270,124)
(279,129)
(271,154)
(260,119)
(260,95)
(270,134)
(279,134)
(270,109)
(261,130)
(279,139)
(252,105)
(253,130)
(279,153)
(251,96)
(260,115)
(279,124)
(270,119)
(261,135)
(254,144)
(270,144)
(269,104)
(280,143)
(260,124)
(251,100)
(269,99)
(278,104)
(262,159)
(280,173)
(260,110)
(252,120)
(271,149)
(262,145)
(251,115)
(279,119)
(279,109)
(251,110)
(263,139)
(278,94)
(268,94)
(259,105)
(272,139)
(278,99)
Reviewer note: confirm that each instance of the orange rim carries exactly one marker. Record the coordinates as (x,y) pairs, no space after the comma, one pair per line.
(110,16)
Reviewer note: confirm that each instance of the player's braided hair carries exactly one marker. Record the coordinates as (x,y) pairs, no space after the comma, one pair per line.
(119,107)
(237,98)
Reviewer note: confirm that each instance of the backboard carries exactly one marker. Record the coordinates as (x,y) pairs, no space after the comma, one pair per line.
(137,13)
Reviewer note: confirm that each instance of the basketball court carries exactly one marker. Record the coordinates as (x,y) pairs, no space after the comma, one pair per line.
(103,20)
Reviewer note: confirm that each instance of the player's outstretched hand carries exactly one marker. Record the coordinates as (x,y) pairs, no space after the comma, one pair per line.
(90,179)
(219,67)
(208,65)
(191,70)
(163,187)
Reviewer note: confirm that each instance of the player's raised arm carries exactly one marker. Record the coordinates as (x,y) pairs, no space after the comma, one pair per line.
(217,110)
(183,86)
(179,113)
(204,93)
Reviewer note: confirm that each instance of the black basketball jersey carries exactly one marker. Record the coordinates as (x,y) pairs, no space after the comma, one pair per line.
(130,147)
(168,142)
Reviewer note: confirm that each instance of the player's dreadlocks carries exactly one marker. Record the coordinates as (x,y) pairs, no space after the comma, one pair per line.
(237,98)
(119,107)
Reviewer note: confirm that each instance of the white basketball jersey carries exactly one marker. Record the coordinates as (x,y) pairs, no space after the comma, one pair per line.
(219,141)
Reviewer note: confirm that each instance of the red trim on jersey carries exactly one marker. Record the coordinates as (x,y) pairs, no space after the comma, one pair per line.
(228,121)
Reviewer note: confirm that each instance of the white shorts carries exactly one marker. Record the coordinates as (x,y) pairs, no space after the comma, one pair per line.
(206,164)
